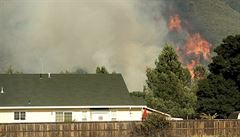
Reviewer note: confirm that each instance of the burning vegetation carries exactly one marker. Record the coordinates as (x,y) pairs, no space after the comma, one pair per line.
(175,23)
(194,50)
(199,48)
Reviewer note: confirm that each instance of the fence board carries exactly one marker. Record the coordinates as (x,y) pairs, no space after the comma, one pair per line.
(118,129)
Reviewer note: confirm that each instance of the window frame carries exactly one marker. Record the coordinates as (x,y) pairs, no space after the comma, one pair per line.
(19,115)
(60,116)
(23,115)
(66,116)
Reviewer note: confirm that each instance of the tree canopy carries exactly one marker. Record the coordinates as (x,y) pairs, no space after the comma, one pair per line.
(11,70)
(76,71)
(101,70)
(169,84)
(219,92)
(200,72)
(227,61)
(217,95)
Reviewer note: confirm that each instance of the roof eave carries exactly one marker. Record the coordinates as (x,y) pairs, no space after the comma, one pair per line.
(69,107)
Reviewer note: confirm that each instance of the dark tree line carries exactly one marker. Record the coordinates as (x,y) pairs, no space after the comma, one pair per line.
(219,92)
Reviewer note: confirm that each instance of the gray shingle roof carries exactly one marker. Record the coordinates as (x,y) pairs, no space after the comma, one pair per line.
(65,90)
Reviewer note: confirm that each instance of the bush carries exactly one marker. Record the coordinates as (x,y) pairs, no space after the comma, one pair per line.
(154,125)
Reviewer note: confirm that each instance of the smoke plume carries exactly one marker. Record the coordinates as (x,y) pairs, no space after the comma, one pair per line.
(125,36)
(57,35)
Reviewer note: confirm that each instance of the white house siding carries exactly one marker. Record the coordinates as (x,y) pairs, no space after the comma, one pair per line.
(100,116)
(118,114)
(76,116)
(39,117)
(6,117)
(129,115)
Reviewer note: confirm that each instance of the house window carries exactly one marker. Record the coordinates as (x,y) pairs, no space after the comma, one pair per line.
(59,116)
(68,116)
(84,115)
(63,116)
(22,115)
(19,115)
(16,115)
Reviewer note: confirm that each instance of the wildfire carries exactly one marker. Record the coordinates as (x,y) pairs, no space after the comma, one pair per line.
(191,67)
(198,46)
(195,50)
(175,23)
(180,58)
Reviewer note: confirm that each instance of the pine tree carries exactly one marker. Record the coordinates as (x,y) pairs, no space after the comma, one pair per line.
(170,85)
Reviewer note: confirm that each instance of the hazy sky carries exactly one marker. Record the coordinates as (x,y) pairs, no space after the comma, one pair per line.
(56,35)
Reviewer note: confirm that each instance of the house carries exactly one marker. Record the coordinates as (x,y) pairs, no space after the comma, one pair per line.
(68,97)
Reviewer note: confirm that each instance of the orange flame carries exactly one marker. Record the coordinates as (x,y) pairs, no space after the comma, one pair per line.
(198,46)
(174,23)
(191,67)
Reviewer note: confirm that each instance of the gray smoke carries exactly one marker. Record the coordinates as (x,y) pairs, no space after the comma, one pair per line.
(56,35)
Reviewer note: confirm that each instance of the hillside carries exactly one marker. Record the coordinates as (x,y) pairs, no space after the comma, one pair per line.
(235,4)
(215,19)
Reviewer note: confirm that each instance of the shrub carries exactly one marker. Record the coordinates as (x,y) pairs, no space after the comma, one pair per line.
(154,125)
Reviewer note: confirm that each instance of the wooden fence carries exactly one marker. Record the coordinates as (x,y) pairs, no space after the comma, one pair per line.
(222,128)
(185,128)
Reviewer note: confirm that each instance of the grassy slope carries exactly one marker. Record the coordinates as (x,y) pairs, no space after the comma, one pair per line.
(235,4)
(217,18)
